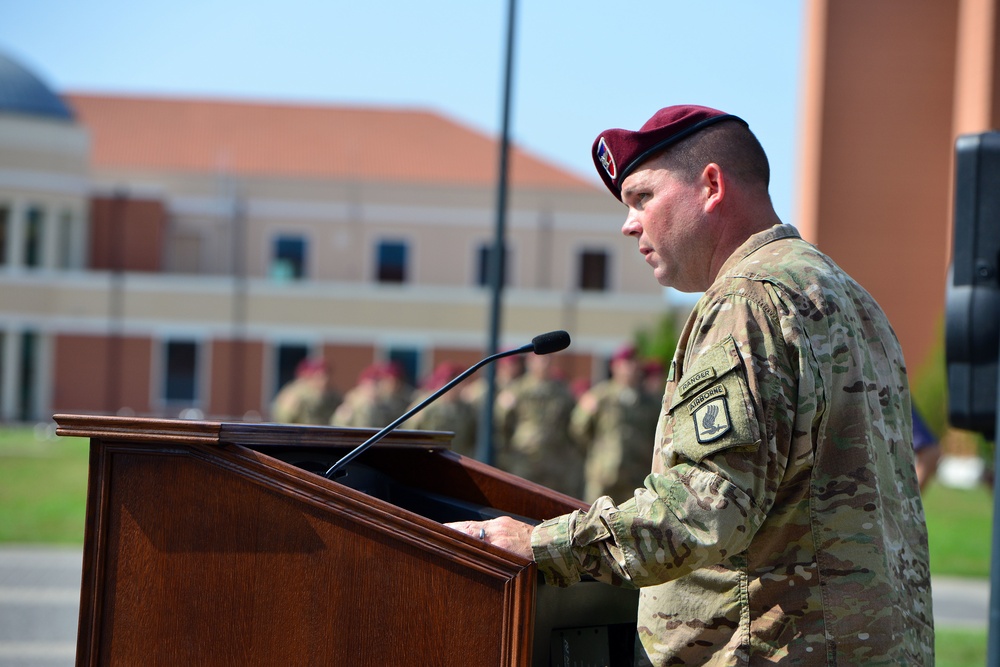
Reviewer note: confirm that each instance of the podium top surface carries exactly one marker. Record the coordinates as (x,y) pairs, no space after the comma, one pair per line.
(252,434)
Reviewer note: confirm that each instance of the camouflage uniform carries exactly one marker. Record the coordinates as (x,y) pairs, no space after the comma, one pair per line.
(359,408)
(781,520)
(448,413)
(301,401)
(390,406)
(534,416)
(475,391)
(379,398)
(618,423)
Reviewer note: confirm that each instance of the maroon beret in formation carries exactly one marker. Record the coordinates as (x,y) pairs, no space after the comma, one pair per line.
(626,352)
(617,153)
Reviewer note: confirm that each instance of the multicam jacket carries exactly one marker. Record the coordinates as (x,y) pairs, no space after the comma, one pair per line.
(617,423)
(533,414)
(781,520)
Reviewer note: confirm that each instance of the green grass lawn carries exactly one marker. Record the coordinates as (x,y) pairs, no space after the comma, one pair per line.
(959,647)
(43,489)
(959,529)
(959,526)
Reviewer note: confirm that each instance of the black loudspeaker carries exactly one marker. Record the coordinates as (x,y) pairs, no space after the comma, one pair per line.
(972,329)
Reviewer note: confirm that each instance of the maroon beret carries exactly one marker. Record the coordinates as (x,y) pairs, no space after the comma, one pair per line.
(626,353)
(617,153)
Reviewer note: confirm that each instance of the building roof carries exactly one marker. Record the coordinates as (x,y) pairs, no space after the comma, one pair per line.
(300,141)
(22,92)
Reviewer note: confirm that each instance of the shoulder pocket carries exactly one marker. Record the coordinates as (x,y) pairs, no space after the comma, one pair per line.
(711,409)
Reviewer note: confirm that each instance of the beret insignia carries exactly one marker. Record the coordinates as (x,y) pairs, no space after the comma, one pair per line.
(606,159)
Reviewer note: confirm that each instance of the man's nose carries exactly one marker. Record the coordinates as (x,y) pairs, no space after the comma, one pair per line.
(631,227)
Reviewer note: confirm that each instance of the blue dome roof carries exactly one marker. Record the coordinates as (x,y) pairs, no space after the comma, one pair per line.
(24,93)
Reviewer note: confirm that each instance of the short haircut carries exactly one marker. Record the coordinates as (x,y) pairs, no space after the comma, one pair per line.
(729,144)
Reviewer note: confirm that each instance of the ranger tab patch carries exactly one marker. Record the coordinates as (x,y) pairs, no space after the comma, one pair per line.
(710,412)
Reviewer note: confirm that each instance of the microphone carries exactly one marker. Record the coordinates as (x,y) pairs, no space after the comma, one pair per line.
(546,343)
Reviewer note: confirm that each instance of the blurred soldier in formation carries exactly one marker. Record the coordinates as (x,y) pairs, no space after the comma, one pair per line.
(508,369)
(357,408)
(450,412)
(394,394)
(533,415)
(654,377)
(309,397)
(617,417)
(381,395)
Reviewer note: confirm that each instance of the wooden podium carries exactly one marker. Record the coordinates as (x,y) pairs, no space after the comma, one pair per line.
(214,543)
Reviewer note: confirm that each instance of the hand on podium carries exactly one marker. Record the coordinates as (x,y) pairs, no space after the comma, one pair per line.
(504,532)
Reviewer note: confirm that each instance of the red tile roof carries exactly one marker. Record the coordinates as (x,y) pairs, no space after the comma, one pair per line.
(305,141)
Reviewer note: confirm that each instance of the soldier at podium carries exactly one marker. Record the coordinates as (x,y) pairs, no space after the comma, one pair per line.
(782,518)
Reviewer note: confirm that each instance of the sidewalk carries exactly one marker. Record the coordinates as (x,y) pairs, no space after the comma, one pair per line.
(961,602)
(40,598)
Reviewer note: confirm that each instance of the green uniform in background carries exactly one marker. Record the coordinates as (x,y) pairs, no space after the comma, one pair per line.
(533,413)
(616,422)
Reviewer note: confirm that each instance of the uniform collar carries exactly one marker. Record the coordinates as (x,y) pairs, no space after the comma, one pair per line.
(757,241)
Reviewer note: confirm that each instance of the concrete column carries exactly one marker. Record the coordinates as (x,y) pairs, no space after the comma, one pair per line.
(51,235)
(975,72)
(10,371)
(42,383)
(15,235)
(80,240)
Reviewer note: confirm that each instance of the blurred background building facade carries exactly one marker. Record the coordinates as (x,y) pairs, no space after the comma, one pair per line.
(162,255)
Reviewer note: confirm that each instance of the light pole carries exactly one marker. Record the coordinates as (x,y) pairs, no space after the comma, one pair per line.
(485,446)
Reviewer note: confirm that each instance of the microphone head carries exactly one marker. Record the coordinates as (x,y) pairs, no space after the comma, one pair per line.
(552,341)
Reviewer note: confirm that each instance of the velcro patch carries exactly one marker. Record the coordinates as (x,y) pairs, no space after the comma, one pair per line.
(711,419)
(717,413)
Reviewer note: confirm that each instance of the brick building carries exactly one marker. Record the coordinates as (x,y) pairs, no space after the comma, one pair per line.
(165,254)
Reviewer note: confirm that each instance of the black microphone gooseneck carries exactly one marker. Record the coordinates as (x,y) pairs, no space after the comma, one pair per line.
(545,343)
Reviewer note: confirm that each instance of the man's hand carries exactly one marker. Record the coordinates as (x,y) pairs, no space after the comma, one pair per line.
(504,532)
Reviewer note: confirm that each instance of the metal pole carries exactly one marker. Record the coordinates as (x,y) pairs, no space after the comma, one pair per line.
(485,445)
(993,638)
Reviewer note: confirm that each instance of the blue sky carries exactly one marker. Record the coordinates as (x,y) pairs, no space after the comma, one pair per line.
(580,66)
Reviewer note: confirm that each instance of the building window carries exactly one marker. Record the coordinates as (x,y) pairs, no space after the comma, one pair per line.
(288,261)
(289,357)
(28,382)
(181,371)
(391,262)
(33,237)
(408,359)
(593,271)
(484,266)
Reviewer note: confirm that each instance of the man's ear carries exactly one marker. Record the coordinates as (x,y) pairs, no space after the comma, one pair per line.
(713,182)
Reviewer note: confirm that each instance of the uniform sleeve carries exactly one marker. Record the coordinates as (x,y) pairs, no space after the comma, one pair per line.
(723,446)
